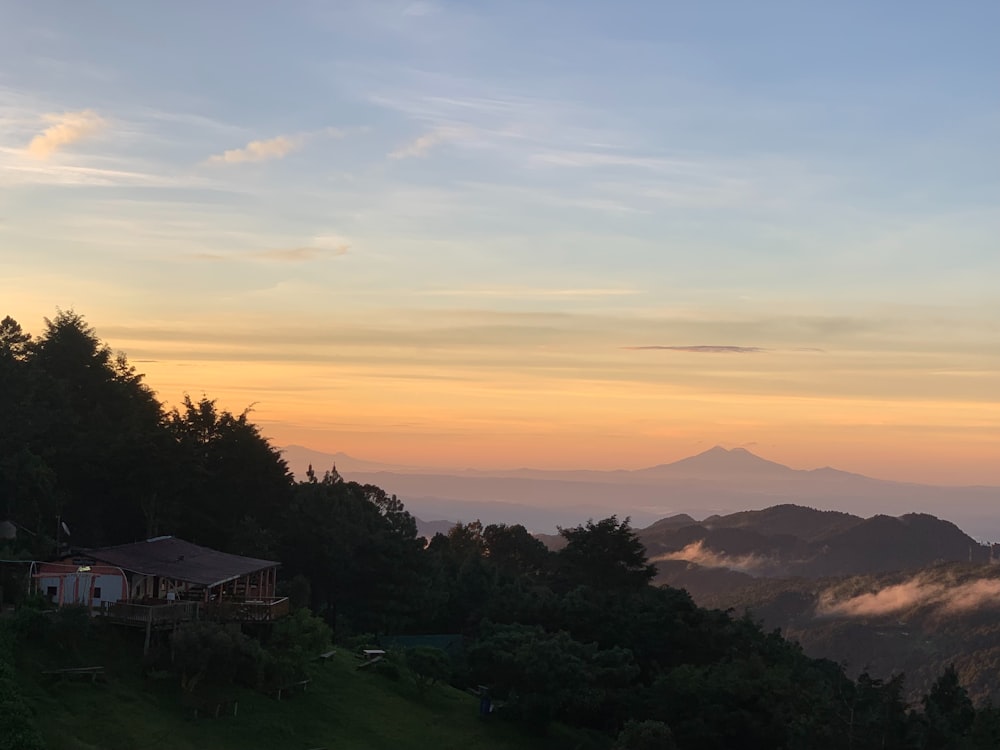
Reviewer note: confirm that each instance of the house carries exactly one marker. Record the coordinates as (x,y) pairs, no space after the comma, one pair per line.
(164,579)
(167,568)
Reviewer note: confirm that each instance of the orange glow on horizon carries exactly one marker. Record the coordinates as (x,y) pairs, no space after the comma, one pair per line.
(492,423)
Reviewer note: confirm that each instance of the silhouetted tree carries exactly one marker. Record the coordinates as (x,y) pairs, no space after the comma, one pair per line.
(95,427)
(230,476)
(948,713)
(604,555)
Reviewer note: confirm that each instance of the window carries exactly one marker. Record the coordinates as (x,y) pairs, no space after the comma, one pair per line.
(97,592)
(52,592)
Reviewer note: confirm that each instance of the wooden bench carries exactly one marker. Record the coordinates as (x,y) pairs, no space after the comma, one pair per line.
(290,687)
(92,672)
(326,655)
(371,656)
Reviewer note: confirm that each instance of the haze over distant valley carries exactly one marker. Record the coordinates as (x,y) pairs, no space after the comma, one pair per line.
(716,481)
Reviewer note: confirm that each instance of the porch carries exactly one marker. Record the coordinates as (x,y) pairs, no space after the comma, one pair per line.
(157,614)
(265,609)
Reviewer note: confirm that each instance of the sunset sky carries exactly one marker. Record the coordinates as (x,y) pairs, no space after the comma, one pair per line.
(549,234)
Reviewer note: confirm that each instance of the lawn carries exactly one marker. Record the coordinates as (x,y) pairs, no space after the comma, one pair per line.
(342,707)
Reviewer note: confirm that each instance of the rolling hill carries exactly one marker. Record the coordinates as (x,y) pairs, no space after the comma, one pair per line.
(791,540)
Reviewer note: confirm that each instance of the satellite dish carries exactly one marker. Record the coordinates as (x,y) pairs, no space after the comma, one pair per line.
(65,528)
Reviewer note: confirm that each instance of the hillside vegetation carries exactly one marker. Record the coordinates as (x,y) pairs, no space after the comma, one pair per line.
(915,623)
(343,706)
(882,595)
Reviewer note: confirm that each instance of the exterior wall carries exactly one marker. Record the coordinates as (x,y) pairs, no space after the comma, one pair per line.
(68,584)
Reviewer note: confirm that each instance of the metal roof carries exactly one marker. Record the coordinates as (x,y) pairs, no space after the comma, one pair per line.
(174,558)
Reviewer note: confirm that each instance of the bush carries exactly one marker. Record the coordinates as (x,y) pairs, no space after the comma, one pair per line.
(427,665)
(216,654)
(387,667)
(301,635)
(17,723)
(71,626)
(294,642)
(29,623)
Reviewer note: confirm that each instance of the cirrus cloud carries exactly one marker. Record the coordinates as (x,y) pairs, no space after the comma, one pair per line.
(701,349)
(421,145)
(325,247)
(272,148)
(66,128)
(298,254)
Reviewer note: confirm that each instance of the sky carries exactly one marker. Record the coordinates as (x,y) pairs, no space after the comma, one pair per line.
(548,234)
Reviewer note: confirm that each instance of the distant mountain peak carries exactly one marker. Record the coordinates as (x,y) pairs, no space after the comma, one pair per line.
(722,462)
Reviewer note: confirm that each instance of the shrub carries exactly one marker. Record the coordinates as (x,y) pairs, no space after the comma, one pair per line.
(295,641)
(427,665)
(71,625)
(216,654)
(29,623)
(17,723)
(388,667)
(301,635)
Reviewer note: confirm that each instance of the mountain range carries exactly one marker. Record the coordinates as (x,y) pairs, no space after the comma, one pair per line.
(911,594)
(715,482)
(787,541)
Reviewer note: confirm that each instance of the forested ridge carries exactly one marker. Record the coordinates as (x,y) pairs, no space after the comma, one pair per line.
(580,636)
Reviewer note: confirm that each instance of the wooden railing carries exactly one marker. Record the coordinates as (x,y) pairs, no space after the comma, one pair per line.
(163,614)
(255,610)
(157,614)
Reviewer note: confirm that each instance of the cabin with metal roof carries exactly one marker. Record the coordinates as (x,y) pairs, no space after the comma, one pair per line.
(167,580)
(167,565)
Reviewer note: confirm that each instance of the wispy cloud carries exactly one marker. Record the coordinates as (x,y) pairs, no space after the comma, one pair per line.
(701,349)
(522,292)
(272,148)
(280,255)
(916,592)
(421,145)
(299,254)
(593,158)
(700,554)
(66,128)
(108,173)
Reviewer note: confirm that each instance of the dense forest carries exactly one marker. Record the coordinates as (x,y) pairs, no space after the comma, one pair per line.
(578,637)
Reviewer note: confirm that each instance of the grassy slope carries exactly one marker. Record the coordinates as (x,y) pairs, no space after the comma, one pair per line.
(343,708)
